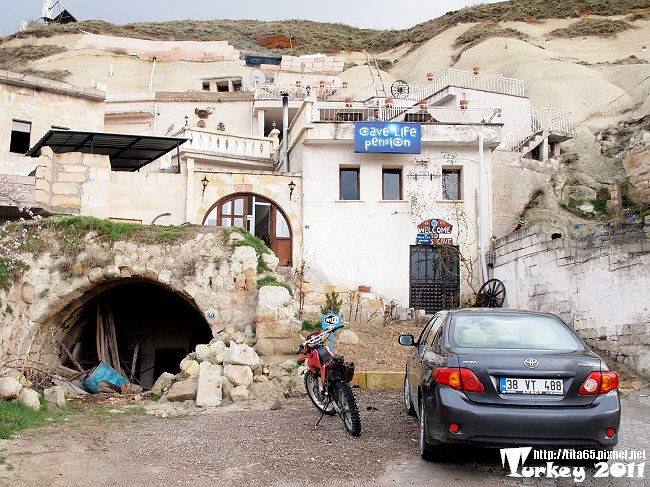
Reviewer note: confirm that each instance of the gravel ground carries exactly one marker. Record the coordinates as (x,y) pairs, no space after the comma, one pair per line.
(229,445)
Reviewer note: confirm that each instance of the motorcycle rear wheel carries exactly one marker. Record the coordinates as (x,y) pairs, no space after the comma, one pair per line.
(348,408)
(319,399)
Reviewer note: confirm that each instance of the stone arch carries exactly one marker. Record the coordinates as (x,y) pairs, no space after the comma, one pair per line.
(278,238)
(163,324)
(200,270)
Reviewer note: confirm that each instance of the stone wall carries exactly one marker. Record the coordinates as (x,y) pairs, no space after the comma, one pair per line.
(602,292)
(44,303)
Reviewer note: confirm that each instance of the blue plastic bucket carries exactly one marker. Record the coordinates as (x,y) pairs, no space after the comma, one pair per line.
(103,372)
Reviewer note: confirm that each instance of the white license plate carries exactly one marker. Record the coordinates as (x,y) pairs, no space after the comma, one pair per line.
(509,385)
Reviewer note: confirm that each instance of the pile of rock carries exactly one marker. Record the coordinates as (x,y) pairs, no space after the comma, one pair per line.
(19,389)
(224,369)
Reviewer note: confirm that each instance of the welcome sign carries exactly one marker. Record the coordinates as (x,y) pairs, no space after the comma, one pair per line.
(387,137)
(435,231)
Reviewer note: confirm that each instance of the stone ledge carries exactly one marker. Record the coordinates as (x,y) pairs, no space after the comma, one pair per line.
(378,380)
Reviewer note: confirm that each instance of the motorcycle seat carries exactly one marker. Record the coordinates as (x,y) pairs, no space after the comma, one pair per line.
(324,355)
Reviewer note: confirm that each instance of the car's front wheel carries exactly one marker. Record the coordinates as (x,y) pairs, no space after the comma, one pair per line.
(408,404)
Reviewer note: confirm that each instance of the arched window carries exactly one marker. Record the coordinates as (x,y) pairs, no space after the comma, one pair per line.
(260,216)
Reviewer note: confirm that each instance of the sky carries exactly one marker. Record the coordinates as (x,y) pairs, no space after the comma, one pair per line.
(378,14)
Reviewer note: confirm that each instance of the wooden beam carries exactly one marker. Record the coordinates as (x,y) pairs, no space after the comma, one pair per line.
(71,357)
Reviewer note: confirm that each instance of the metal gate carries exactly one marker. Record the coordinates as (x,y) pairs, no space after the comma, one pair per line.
(434,277)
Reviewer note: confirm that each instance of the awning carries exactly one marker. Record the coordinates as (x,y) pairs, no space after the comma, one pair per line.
(126,152)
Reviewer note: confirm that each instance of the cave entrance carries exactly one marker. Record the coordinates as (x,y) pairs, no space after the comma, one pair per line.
(145,328)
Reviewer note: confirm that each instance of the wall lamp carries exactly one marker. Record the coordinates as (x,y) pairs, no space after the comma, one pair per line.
(292,186)
(204,182)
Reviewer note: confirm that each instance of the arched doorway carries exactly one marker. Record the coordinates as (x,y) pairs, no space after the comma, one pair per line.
(150,327)
(260,216)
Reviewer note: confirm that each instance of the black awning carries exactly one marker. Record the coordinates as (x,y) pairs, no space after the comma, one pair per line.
(126,152)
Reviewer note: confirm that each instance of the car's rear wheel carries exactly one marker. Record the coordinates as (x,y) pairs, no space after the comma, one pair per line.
(426,451)
(408,404)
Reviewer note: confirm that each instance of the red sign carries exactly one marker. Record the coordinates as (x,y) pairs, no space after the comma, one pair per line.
(435,232)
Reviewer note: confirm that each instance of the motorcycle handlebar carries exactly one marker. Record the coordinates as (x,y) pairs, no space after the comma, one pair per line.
(322,334)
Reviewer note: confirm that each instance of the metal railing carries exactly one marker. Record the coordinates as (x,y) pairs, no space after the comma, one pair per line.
(543,119)
(443,115)
(466,79)
(227,144)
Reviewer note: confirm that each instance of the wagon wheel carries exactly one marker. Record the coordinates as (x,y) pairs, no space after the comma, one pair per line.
(491,295)
(399,89)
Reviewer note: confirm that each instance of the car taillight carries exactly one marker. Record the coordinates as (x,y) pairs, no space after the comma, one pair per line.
(459,379)
(599,383)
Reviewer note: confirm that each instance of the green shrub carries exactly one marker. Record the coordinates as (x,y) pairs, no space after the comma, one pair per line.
(593,27)
(333,304)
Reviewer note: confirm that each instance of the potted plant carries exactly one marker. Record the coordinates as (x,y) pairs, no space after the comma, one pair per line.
(345,84)
(476,70)
(430,76)
(423,104)
(322,83)
(348,101)
(298,83)
(388,102)
(464,104)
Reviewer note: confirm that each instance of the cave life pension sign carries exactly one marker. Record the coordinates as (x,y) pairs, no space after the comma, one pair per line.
(388,137)
(435,232)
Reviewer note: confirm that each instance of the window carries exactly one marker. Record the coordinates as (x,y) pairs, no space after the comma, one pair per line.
(206,86)
(236,85)
(451,184)
(223,86)
(349,183)
(391,184)
(20,135)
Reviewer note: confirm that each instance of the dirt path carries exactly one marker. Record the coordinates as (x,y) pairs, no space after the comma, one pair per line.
(226,446)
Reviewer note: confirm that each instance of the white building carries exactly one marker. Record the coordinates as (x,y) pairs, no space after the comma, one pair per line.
(387,186)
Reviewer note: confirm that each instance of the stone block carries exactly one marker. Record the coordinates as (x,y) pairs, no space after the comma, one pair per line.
(385,380)
(239,394)
(163,383)
(241,355)
(359,379)
(70,177)
(209,385)
(275,329)
(9,388)
(183,391)
(238,375)
(202,352)
(265,347)
(55,396)
(63,201)
(29,398)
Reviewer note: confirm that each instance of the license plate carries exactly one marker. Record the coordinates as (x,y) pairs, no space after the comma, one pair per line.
(508,385)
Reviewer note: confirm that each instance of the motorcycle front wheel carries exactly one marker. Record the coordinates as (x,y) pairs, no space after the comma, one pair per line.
(348,408)
(320,400)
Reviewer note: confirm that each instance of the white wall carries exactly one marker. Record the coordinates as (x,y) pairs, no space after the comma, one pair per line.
(367,242)
(602,292)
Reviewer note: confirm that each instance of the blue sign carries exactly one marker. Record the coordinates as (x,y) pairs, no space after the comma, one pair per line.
(423,239)
(388,137)
(330,319)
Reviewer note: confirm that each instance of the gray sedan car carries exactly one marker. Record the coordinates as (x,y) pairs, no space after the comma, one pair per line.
(498,377)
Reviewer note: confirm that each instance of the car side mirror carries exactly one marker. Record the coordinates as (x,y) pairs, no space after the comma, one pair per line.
(406,340)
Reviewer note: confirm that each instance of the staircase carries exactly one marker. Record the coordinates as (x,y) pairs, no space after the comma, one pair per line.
(551,123)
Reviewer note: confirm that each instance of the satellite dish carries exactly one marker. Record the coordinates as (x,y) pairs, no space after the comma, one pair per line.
(257,77)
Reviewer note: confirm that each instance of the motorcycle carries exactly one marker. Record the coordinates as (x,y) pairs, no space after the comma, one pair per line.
(327,380)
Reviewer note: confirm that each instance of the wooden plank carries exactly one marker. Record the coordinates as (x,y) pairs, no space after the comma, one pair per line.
(113,343)
(98,334)
(136,351)
(71,357)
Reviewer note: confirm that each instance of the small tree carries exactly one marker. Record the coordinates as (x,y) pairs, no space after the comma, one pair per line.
(333,303)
